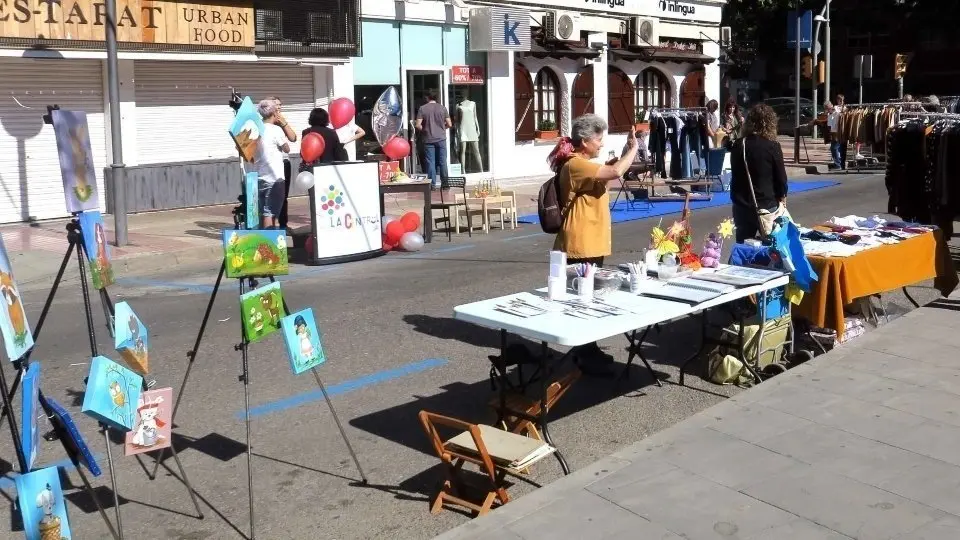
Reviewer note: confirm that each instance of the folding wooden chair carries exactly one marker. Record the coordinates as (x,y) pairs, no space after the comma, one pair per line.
(530,406)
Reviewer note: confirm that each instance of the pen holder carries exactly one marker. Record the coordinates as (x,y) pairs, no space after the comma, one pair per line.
(583,286)
(635,281)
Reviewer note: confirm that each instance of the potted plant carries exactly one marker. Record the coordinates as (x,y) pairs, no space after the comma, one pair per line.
(547,130)
(640,122)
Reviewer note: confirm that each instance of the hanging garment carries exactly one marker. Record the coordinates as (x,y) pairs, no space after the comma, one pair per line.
(673,136)
(658,143)
(469,126)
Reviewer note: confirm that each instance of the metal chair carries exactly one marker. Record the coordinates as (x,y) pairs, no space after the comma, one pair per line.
(449,208)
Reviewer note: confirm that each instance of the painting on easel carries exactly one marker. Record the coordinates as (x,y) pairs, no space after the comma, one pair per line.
(131,339)
(29,412)
(76,160)
(302,338)
(246,129)
(17,337)
(262,309)
(251,192)
(255,253)
(74,440)
(98,252)
(112,393)
(153,425)
(42,506)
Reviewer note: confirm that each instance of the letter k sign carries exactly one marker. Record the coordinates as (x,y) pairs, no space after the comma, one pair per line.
(510,31)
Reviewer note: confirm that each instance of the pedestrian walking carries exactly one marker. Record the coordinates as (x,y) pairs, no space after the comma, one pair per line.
(433,121)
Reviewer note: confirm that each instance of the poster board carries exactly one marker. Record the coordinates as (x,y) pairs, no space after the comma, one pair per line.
(345,203)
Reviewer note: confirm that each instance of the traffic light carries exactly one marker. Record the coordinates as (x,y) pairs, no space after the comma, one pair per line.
(807,67)
(900,66)
(821,72)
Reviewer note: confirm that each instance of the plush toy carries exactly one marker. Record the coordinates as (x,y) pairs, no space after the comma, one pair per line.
(710,257)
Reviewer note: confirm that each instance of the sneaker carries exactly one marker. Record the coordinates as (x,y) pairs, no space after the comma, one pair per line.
(859,156)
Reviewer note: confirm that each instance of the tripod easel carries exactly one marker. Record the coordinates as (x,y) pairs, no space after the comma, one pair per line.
(245,285)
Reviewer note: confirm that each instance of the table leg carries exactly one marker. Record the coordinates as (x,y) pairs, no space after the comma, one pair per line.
(910,298)
(635,351)
(427,216)
(542,417)
(503,384)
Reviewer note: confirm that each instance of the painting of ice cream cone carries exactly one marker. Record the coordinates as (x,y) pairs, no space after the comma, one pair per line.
(17,337)
(42,506)
(76,160)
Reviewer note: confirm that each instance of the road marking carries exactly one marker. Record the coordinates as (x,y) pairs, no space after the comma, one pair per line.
(521,237)
(7,482)
(142,282)
(343,387)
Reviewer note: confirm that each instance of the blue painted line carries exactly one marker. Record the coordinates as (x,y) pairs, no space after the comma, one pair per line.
(344,387)
(521,237)
(7,482)
(192,287)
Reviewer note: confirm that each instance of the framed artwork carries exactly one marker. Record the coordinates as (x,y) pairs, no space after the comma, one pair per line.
(42,506)
(60,418)
(131,339)
(251,190)
(17,337)
(261,310)
(76,160)
(151,430)
(302,338)
(29,413)
(112,393)
(246,128)
(98,252)
(255,253)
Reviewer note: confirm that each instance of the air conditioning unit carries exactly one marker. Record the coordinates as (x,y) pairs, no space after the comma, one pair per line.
(269,25)
(644,33)
(726,36)
(562,26)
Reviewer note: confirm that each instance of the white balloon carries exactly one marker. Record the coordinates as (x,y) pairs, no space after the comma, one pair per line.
(304,181)
(386,220)
(411,241)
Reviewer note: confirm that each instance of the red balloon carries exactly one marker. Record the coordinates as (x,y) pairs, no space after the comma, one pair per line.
(395,230)
(312,147)
(411,221)
(386,245)
(342,112)
(397,148)
(309,247)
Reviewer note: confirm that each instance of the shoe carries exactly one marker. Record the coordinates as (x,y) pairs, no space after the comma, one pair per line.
(593,353)
(859,156)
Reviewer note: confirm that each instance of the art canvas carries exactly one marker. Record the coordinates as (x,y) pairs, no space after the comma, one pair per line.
(131,339)
(76,160)
(71,436)
(152,428)
(98,252)
(261,310)
(42,507)
(251,191)
(246,128)
(255,253)
(17,337)
(303,341)
(112,393)
(29,412)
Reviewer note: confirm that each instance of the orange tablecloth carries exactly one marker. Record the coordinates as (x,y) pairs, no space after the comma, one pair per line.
(878,270)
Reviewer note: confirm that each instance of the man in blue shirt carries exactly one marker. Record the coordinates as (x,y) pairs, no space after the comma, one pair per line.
(433,121)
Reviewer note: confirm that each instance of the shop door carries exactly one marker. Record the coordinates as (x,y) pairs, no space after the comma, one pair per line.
(692,91)
(419,83)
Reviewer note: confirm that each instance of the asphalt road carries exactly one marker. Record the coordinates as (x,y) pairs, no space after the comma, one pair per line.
(393,350)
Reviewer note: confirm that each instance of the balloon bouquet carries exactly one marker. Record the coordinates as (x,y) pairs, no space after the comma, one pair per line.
(386,121)
(342,112)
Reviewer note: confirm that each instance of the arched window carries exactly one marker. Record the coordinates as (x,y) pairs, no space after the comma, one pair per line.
(523,104)
(583,92)
(652,90)
(620,110)
(546,100)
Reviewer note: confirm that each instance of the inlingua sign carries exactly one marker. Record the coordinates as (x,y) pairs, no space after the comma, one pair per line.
(679,8)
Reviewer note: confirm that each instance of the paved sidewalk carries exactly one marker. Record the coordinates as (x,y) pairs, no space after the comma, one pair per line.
(860,443)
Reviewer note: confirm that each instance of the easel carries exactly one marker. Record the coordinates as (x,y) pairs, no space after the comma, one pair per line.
(246,284)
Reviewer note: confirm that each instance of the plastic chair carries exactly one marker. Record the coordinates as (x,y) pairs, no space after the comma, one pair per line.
(715,158)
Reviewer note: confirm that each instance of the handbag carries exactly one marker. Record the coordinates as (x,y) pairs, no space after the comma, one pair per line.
(766,218)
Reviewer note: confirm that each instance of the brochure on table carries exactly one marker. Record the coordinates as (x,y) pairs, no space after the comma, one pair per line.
(346,212)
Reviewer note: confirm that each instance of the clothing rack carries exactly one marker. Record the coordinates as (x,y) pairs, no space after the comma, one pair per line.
(676,109)
(887,104)
(923,114)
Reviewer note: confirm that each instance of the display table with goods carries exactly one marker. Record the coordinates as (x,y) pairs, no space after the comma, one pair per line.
(401,183)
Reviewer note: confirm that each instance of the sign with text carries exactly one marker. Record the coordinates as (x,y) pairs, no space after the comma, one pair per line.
(225,24)
(466,75)
(499,29)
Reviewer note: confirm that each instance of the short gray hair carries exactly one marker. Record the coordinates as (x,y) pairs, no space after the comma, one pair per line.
(267,108)
(587,127)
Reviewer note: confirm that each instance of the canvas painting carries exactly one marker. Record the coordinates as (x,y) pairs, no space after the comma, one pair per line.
(29,413)
(112,394)
(42,506)
(261,310)
(98,252)
(71,436)
(17,337)
(76,160)
(255,253)
(251,191)
(131,339)
(152,428)
(246,128)
(303,341)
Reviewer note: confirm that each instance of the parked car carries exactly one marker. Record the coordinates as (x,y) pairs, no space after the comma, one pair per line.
(786,111)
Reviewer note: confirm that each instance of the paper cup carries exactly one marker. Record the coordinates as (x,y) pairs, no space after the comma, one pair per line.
(556,288)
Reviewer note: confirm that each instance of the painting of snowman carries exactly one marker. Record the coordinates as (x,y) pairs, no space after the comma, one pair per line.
(302,339)
(152,429)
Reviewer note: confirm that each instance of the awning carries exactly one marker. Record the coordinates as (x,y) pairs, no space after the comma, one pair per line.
(560,50)
(662,54)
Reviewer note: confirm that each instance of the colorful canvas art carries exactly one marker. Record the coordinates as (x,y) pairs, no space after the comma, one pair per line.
(246,128)
(303,341)
(251,191)
(71,435)
(153,425)
(255,253)
(17,337)
(76,160)
(29,413)
(261,310)
(98,252)
(131,339)
(112,393)
(42,506)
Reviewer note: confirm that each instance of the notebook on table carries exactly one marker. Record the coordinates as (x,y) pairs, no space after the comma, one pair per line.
(739,276)
(689,290)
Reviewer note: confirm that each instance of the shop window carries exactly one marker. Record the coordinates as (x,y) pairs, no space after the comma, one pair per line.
(523,104)
(546,100)
(583,92)
(652,91)
(620,110)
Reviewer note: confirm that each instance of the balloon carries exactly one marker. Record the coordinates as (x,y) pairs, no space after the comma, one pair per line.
(397,148)
(386,220)
(312,147)
(410,220)
(386,245)
(411,241)
(395,231)
(309,247)
(304,181)
(387,118)
(342,112)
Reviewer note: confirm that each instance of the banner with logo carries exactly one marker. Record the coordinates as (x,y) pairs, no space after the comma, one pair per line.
(346,203)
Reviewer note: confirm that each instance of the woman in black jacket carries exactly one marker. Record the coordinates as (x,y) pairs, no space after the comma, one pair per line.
(333,150)
(764,160)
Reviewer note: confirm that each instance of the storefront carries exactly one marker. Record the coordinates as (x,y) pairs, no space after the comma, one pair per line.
(176,76)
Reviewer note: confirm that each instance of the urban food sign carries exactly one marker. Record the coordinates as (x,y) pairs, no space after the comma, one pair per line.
(226,24)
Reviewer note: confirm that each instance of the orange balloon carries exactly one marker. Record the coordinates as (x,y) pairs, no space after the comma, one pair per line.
(312,147)
(411,221)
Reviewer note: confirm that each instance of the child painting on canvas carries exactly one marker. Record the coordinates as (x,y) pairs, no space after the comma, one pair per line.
(303,332)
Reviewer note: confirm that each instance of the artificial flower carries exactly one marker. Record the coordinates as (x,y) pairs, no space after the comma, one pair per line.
(726,228)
